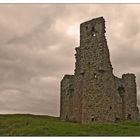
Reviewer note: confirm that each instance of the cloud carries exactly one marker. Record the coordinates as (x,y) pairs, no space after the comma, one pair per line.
(37,49)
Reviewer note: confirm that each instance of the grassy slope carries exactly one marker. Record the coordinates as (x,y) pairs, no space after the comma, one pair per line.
(30,125)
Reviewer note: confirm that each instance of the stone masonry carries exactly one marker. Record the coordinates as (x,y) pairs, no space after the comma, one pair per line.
(93,93)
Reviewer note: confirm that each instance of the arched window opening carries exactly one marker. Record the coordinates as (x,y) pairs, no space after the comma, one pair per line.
(95,76)
(92,119)
(129,116)
(93,32)
(93,29)
(82,73)
(121,90)
(117,119)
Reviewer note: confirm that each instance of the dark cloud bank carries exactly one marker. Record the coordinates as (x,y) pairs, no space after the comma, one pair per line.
(37,49)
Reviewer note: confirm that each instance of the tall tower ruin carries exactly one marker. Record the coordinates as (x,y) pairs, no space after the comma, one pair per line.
(93,93)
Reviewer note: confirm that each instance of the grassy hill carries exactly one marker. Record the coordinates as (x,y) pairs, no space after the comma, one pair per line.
(31,125)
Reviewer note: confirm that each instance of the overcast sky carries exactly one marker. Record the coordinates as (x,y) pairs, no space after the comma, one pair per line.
(37,44)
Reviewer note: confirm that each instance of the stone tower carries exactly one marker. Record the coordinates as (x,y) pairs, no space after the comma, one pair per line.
(93,93)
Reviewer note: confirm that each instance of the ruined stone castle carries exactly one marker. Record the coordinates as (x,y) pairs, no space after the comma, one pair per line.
(93,93)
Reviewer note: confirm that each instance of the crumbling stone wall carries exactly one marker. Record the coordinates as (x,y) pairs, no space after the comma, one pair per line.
(126,99)
(130,96)
(67,90)
(93,93)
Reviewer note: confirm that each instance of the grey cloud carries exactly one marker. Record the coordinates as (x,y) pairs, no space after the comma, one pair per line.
(37,49)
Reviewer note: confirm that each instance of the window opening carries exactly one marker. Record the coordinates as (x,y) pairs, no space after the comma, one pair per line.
(95,75)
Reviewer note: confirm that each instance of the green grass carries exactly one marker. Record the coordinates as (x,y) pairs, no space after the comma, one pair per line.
(31,125)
